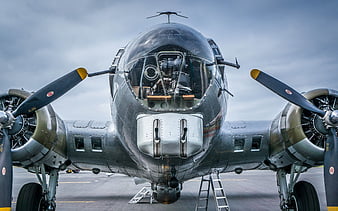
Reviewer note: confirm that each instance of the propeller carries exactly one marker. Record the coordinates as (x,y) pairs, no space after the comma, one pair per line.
(51,92)
(331,169)
(6,171)
(39,99)
(330,119)
(285,91)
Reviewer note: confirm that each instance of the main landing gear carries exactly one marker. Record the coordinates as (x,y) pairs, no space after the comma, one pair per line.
(296,196)
(39,197)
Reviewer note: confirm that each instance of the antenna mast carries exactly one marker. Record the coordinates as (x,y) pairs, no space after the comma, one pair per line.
(168,13)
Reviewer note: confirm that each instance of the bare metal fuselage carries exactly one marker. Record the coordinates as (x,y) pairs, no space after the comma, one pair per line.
(122,151)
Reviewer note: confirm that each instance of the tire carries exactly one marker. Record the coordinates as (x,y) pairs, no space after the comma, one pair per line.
(30,198)
(304,197)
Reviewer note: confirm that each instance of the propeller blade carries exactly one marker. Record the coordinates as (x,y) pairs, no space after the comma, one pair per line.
(285,91)
(331,170)
(51,92)
(6,172)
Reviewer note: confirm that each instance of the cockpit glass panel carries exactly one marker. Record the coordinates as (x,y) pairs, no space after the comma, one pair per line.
(169,80)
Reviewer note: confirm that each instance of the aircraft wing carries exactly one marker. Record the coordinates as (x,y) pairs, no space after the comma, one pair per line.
(239,145)
(294,136)
(86,141)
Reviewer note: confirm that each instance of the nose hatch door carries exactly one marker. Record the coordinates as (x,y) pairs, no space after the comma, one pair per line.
(170,134)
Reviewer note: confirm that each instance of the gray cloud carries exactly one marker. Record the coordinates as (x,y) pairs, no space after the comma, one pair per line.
(294,41)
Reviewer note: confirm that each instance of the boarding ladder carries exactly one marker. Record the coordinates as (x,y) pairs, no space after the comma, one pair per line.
(214,182)
(145,192)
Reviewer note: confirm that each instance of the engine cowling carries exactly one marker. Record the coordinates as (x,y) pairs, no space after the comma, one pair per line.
(36,138)
(298,135)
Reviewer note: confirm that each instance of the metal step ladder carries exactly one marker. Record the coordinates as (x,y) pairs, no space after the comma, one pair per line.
(213,181)
(219,193)
(145,192)
(203,194)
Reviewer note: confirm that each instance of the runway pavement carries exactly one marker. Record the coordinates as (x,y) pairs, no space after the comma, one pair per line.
(253,190)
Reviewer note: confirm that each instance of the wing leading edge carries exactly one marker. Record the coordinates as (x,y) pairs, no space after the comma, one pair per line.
(96,146)
(240,145)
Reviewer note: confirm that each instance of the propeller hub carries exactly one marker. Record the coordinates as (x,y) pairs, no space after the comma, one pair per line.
(331,118)
(334,117)
(3,117)
(6,119)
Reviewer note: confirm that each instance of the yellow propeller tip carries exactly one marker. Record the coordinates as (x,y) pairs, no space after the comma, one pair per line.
(82,72)
(255,73)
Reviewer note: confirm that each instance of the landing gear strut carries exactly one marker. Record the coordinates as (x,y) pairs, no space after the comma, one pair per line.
(296,196)
(40,197)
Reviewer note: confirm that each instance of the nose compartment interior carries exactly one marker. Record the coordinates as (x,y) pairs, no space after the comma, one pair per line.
(169,80)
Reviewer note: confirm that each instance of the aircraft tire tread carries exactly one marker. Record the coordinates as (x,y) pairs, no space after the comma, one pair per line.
(306,197)
(30,197)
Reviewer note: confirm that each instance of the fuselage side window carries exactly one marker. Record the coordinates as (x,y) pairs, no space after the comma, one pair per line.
(96,144)
(79,143)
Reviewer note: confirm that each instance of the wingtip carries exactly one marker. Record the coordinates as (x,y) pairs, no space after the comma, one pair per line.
(255,73)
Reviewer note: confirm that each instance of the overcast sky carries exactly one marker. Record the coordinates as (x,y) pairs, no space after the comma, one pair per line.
(295,41)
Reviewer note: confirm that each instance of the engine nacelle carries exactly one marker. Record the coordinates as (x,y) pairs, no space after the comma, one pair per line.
(36,138)
(298,135)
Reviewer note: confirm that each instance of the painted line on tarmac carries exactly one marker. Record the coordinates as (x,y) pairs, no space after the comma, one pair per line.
(74,182)
(75,202)
(69,202)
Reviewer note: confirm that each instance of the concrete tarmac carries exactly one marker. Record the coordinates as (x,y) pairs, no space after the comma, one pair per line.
(85,191)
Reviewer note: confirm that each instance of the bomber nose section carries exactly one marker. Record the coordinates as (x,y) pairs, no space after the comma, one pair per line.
(170,134)
(169,68)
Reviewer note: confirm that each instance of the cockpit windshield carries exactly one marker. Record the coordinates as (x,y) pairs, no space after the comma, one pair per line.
(169,77)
